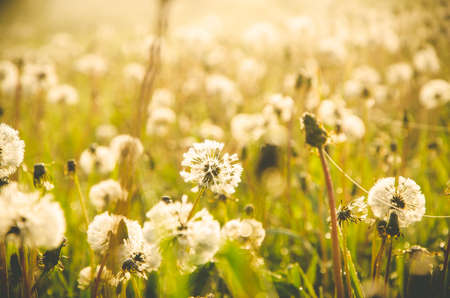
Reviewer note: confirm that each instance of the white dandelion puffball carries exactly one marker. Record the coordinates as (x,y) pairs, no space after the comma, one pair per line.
(38,77)
(161,98)
(11,150)
(133,253)
(198,238)
(159,121)
(91,64)
(434,93)
(201,241)
(352,126)
(105,132)
(106,193)
(280,105)
(97,158)
(164,219)
(205,165)
(134,72)
(406,200)
(28,217)
(426,60)
(126,147)
(400,72)
(247,128)
(9,76)
(248,232)
(63,94)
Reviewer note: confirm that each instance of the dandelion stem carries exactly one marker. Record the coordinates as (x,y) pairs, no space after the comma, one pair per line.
(388,265)
(334,228)
(23,261)
(136,288)
(444,271)
(4,271)
(376,264)
(82,200)
(345,258)
(99,274)
(200,194)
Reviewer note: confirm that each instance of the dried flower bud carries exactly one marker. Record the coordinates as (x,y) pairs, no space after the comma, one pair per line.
(316,136)
(249,209)
(71,167)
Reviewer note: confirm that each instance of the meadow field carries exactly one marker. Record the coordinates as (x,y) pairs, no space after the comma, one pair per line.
(181,148)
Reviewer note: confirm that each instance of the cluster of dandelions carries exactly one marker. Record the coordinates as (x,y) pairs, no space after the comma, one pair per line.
(29,220)
(127,249)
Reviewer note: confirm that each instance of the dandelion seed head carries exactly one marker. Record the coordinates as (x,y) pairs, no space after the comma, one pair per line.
(247,128)
(434,93)
(63,94)
(11,150)
(247,232)
(405,199)
(134,72)
(426,60)
(92,65)
(126,147)
(97,158)
(398,73)
(106,193)
(205,165)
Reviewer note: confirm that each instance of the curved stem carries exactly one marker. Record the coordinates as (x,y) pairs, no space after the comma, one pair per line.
(388,265)
(98,277)
(334,228)
(200,194)
(376,264)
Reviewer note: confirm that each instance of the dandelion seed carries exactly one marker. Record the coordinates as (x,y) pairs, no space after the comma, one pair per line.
(405,199)
(205,165)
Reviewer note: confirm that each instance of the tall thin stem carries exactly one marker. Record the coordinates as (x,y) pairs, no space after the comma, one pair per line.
(345,258)
(334,228)
(4,271)
(444,271)
(199,196)
(98,277)
(23,261)
(376,264)
(82,200)
(388,265)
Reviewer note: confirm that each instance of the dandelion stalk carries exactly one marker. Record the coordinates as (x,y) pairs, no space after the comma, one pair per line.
(376,264)
(4,271)
(334,235)
(388,265)
(99,274)
(154,61)
(316,136)
(199,196)
(136,288)
(444,271)
(23,261)
(82,200)
(345,258)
